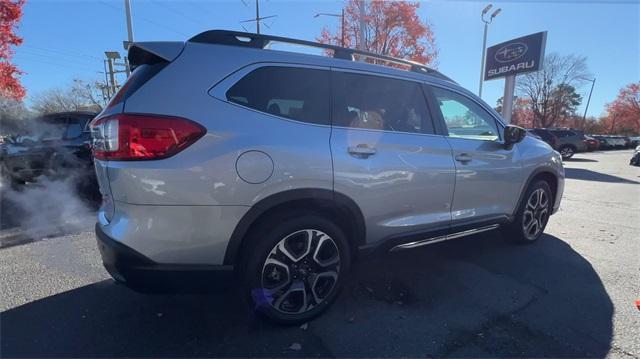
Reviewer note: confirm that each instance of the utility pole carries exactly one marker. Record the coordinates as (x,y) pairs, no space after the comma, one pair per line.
(112,76)
(127,11)
(257,19)
(111,72)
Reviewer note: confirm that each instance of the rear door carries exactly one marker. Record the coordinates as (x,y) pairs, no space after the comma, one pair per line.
(488,176)
(386,155)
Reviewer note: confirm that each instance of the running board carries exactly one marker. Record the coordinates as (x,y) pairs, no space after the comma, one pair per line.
(432,240)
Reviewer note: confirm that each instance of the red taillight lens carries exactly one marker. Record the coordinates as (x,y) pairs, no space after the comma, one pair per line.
(127,137)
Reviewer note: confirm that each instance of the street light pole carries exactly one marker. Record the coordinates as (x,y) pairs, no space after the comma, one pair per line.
(482,60)
(593,83)
(342,23)
(484,41)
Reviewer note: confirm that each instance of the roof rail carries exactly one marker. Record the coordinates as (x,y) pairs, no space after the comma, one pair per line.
(261,41)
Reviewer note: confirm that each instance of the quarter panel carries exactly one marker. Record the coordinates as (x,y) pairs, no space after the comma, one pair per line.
(205,173)
(175,234)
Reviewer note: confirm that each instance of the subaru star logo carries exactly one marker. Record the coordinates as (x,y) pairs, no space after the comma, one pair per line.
(511,52)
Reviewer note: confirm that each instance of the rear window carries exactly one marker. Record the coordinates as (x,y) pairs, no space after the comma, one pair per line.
(299,94)
(138,77)
(74,129)
(563,133)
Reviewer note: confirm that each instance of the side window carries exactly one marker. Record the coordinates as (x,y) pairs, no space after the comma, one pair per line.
(380,103)
(74,130)
(297,93)
(464,118)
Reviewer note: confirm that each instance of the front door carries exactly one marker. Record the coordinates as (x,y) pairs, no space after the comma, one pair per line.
(488,176)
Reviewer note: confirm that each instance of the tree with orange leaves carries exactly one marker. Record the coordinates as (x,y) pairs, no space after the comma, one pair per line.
(623,114)
(392,28)
(10,14)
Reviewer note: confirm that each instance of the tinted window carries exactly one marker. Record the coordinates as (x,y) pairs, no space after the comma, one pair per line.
(464,118)
(379,103)
(562,133)
(543,134)
(296,93)
(74,130)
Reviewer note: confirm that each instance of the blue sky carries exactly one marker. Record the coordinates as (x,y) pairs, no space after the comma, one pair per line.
(66,39)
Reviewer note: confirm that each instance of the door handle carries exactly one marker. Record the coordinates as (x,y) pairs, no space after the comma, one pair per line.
(463,158)
(362,151)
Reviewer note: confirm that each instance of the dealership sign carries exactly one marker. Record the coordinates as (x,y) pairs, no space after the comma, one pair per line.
(524,54)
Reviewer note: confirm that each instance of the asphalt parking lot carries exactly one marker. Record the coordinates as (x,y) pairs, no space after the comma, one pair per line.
(570,295)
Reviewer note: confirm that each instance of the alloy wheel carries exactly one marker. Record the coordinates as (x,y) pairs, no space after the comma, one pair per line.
(301,271)
(536,214)
(566,152)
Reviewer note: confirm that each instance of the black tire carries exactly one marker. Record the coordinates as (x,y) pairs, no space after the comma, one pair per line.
(291,229)
(519,231)
(567,151)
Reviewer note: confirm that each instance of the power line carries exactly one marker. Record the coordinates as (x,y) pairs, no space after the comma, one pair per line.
(70,53)
(76,61)
(179,12)
(59,64)
(115,8)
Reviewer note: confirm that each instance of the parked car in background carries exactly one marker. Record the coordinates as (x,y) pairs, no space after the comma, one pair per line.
(605,142)
(618,142)
(285,167)
(569,142)
(635,158)
(56,147)
(635,141)
(592,143)
(546,136)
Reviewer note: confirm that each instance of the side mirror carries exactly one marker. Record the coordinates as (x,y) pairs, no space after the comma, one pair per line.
(513,135)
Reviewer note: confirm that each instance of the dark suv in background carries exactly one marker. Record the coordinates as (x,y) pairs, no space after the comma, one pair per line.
(57,146)
(566,141)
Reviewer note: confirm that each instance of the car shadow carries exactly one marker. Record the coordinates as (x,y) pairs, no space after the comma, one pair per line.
(589,175)
(478,296)
(574,159)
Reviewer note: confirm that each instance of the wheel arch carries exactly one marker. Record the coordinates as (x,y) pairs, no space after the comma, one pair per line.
(344,209)
(544,174)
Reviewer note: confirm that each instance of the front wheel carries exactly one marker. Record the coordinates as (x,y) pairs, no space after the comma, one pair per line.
(567,152)
(295,268)
(533,214)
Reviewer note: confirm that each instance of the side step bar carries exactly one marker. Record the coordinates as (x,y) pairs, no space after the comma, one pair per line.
(424,242)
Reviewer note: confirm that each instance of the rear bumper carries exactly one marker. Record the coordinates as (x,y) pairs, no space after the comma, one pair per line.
(142,274)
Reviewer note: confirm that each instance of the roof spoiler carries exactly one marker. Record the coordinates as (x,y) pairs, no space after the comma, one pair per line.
(153,52)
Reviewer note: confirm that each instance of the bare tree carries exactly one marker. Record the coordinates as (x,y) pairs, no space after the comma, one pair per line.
(13,115)
(80,96)
(546,90)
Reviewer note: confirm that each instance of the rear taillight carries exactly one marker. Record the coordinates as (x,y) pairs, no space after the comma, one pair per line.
(128,137)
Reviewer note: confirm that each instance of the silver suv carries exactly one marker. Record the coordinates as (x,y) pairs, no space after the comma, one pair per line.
(224,159)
